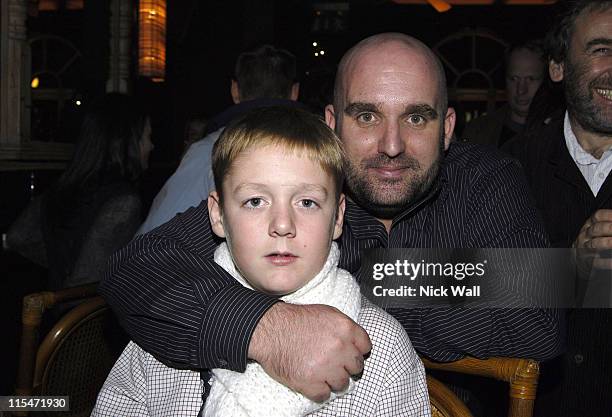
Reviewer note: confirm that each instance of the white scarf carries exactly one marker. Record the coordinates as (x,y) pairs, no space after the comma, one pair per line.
(254,392)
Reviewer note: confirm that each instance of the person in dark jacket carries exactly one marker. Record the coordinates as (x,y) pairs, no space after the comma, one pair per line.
(525,71)
(568,163)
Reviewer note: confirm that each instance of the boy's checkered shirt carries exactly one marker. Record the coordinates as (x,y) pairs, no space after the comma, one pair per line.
(393,382)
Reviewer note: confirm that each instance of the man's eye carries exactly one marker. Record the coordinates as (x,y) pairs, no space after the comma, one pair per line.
(416,120)
(308,203)
(253,202)
(366,118)
(602,51)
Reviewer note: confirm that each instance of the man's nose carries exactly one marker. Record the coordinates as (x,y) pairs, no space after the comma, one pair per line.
(282,222)
(391,143)
(521,87)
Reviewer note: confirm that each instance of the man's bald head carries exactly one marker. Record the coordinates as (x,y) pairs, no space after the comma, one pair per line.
(391,112)
(392,44)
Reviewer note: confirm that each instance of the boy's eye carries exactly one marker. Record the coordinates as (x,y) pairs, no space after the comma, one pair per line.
(253,202)
(307,203)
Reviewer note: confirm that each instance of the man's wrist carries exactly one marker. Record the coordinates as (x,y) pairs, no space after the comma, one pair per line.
(264,334)
(239,309)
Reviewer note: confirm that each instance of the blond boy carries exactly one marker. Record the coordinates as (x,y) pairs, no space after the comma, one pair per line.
(279,206)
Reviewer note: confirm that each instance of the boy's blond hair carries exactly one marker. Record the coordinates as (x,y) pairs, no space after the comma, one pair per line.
(293,130)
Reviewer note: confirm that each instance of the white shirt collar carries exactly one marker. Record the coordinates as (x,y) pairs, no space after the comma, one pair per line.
(578,154)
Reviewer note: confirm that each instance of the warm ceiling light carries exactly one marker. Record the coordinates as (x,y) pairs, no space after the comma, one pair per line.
(530,2)
(74,4)
(449,2)
(35,82)
(47,5)
(480,2)
(441,6)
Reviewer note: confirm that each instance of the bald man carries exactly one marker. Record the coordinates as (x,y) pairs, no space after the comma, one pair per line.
(525,71)
(408,187)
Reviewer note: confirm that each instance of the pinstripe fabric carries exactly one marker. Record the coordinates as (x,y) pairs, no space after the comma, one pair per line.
(482,200)
(393,381)
(179,305)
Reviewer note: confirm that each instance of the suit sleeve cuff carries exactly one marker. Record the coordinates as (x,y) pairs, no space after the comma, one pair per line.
(228,325)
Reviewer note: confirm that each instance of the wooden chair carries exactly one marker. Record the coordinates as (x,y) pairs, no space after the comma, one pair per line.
(75,356)
(444,402)
(521,374)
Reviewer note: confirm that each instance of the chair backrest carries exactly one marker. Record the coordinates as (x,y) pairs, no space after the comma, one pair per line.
(520,374)
(75,356)
(444,403)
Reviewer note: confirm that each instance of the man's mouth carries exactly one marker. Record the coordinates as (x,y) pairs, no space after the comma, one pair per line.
(604,92)
(390,172)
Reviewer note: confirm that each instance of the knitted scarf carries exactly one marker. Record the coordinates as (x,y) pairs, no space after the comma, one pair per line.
(254,393)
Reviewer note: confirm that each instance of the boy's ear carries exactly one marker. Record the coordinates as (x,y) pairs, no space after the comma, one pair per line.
(215,215)
(339,217)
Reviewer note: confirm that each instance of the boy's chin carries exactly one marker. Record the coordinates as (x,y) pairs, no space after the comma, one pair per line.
(277,290)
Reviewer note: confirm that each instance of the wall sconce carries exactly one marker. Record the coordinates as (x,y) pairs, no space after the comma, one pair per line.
(152,39)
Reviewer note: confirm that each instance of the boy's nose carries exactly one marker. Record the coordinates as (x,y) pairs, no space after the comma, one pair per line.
(282,223)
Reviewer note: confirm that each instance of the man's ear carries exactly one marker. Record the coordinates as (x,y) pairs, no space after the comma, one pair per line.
(295,92)
(235,91)
(330,116)
(339,217)
(555,70)
(215,214)
(449,126)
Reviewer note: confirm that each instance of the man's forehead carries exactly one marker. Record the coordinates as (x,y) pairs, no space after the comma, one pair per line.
(400,83)
(525,60)
(592,24)
(524,55)
(381,57)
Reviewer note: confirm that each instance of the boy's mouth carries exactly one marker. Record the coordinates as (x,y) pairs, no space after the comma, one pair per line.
(281,258)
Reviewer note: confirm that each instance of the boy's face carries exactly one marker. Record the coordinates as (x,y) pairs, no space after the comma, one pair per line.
(279,218)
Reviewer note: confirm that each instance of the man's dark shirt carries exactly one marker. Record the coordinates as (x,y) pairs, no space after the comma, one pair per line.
(178,304)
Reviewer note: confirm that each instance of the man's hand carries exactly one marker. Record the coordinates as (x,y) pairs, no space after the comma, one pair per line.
(313,349)
(595,236)
(596,233)
(593,260)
